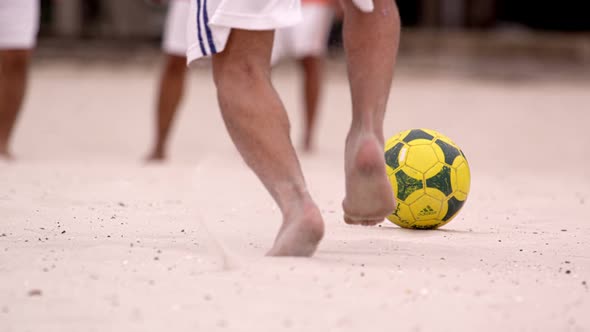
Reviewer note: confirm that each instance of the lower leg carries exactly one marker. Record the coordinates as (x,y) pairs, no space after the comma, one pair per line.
(371,41)
(13,81)
(312,71)
(170,94)
(258,125)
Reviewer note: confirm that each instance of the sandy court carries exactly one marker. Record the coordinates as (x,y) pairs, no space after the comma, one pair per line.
(92,240)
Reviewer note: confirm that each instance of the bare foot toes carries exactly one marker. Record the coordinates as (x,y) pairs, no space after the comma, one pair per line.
(369,196)
(301,232)
(363,221)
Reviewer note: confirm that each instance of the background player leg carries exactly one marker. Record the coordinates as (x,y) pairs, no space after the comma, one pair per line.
(312,76)
(14,66)
(170,94)
(371,42)
(258,125)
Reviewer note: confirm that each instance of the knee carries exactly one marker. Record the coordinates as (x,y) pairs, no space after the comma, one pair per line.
(385,10)
(240,76)
(15,62)
(176,64)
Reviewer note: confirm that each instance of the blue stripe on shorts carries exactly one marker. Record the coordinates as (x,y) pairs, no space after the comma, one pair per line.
(201,44)
(208,30)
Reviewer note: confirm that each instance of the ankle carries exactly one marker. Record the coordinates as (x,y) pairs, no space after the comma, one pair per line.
(296,205)
(368,123)
(306,211)
(358,138)
(289,195)
(4,150)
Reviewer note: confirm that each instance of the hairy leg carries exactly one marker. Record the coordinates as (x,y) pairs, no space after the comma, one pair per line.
(312,81)
(371,41)
(257,123)
(14,66)
(170,94)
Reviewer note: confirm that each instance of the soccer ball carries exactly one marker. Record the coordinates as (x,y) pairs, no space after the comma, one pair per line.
(430,178)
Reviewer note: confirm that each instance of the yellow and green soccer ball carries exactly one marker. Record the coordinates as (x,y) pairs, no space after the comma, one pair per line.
(430,178)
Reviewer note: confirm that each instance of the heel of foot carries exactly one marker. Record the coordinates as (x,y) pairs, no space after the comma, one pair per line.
(369,157)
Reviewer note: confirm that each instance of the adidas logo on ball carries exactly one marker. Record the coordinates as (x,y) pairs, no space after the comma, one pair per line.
(427,211)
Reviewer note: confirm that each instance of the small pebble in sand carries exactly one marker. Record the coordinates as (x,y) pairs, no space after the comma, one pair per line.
(568,271)
(182,230)
(156,258)
(564,230)
(3,235)
(63,232)
(35,292)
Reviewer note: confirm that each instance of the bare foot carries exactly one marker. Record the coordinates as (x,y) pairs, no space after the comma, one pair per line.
(301,232)
(307,149)
(6,156)
(155,157)
(369,196)
(307,144)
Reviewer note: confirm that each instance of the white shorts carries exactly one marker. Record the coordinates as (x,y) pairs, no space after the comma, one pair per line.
(210,21)
(309,37)
(174,39)
(19,23)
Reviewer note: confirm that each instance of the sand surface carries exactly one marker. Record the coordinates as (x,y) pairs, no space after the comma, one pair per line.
(92,240)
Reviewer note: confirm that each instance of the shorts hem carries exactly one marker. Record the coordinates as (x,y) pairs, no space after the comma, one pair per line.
(17,45)
(253,22)
(175,50)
